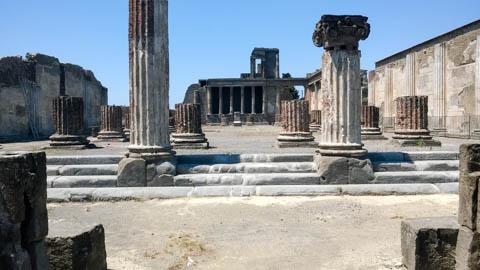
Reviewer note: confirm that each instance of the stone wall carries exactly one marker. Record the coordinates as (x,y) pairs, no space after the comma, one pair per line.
(443,68)
(28,86)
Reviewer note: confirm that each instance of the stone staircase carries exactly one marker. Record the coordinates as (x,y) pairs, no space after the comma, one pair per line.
(256,169)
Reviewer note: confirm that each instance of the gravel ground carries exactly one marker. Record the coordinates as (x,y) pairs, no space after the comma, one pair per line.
(253,233)
(257,139)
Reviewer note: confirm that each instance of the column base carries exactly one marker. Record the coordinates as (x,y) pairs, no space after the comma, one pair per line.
(278,120)
(315,127)
(420,138)
(372,134)
(189,141)
(296,139)
(342,150)
(69,141)
(111,136)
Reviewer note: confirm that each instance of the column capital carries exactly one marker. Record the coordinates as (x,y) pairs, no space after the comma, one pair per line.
(341,32)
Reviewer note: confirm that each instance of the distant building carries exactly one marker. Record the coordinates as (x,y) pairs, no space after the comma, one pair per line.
(257,93)
(28,86)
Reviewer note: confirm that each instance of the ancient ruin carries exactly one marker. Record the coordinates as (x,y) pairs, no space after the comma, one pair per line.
(112,127)
(189,134)
(126,122)
(370,123)
(68,115)
(411,127)
(315,120)
(296,125)
(341,81)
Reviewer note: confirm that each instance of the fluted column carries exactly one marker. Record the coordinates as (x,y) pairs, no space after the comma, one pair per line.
(126,122)
(371,88)
(189,134)
(68,119)
(370,123)
(209,100)
(242,100)
(111,129)
(253,100)
(220,101)
(410,74)
(411,121)
(315,120)
(439,88)
(341,82)
(231,100)
(477,77)
(296,125)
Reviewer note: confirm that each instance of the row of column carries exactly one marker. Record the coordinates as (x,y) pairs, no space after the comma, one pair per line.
(242,100)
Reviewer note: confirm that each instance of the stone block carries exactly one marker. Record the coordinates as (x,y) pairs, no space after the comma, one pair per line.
(468,185)
(132,173)
(343,170)
(159,174)
(85,250)
(467,250)
(429,243)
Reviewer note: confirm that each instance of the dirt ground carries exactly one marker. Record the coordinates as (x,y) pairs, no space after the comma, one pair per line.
(254,233)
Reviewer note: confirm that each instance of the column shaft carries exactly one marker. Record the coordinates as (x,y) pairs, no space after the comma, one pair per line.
(296,125)
(209,100)
(253,100)
(242,100)
(112,128)
(264,99)
(68,119)
(220,100)
(410,74)
(477,77)
(439,85)
(231,100)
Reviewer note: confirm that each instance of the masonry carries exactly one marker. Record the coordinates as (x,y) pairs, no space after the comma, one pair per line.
(446,69)
(29,85)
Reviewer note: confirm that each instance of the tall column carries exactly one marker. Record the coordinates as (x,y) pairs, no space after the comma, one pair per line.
(277,61)
(253,100)
(242,100)
(68,122)
(370,123)
(112,129)
(410,74)
(209,100)
(341,82)
(278,108)
(220,101)
(477,77)
(189,134)
(371,88)
(411,122)
(296,125)
(150,160)
(388,112)
(231,100)
(439,87)
(264,100)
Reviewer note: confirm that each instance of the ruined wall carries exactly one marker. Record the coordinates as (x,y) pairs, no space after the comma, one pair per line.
(28,86)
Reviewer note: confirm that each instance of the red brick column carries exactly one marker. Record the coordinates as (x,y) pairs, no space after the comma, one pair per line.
(296,125)
(112,128)
(315,120)
(189,134)
(370,123)
(68,122)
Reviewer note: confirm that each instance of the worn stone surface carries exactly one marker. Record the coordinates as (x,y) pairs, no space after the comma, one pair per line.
(85,250)
(315,120)
(468,249)
(68,114)
(112,127)
(23,211)
(370,123)
(126,121)
(342,170)
(429,243)
(132,172)
(296,125)
(189,132)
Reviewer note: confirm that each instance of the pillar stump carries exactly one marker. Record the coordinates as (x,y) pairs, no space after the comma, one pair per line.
(126,122)
(224,120)
(189,134)
(112,128)
(237,119)
(315,120)
(370,123)
(411,122)
(68,122)
(150,161)
(341,84)
(296,129)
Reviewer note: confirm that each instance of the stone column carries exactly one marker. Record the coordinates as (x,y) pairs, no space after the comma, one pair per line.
(220,101)
(126,122)
(23,211)
(68,121)
(231,100)
(188,133)
(410,74)
(112,129)
(196,97)
(439,88)
(477,77)
(371,88)
(341,82)
(264,103)
(467,250)
(151,161)
(296,129)
(253,100)
(315,120)
(252,68)
(242,100)
(209,100)
(411,122)
(370,123)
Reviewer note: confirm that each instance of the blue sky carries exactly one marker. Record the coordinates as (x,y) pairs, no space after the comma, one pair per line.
(214,38)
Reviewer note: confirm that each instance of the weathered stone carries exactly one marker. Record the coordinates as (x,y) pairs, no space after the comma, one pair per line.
(429,243)
(126,123)
(341,32)
(85,250)
(189,134)
(467,250)
(237,119)
(296,129)
(132,172)
(112,128)
(160,174)
(343,170)
(23,211)
(68,121)
(370,123)
(315,120)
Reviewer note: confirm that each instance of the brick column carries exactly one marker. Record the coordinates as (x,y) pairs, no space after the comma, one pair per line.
(68,122)
(370,123)
(188,133)
(411,122)
(296,125)
(112,129)
(315,120)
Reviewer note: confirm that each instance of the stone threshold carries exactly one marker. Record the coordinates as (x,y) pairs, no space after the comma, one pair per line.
(61,195)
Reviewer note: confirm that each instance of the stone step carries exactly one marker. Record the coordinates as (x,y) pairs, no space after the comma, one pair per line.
(82,181)
(247,179)
(88,169)
(424,165)
(272,167)
(412,156)
(83,160)
(416,177)
(243,158)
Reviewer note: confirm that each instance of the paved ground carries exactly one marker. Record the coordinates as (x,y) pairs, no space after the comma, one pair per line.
(258,139)
(254,233)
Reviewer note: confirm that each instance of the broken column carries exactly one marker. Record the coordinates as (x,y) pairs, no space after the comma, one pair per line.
(296,129)
(468,242)
(126,122)
(68,122)
(150,161)
(189,134)
(23,211)
(341,81)
(411,122)
(112,128)
(370,123)
(315,120)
